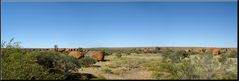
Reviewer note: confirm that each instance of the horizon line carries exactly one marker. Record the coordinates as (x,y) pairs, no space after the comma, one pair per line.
(141,47)
(119,1)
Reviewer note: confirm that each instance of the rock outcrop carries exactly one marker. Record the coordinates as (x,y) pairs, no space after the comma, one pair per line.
(97,55)
(76,54)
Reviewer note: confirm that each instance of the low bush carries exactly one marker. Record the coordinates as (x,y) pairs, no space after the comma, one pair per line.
(37,66)
(175,56)
(203,66)
(57,62)
(21,65)
(86,61)
(80,49)
(232,54)
(118,55)
(223,58)
(27,65)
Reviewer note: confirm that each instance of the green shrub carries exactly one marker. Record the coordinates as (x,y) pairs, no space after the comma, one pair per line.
(21,65)
(24,65)
(57,62)
(118,55)
(165,54)
(87,61)
(108,53)
(203,66)
(223,58)
(34,66)
(192,53)
(175,56)
(232,54)
(80,49)
(10,44)
(160,70)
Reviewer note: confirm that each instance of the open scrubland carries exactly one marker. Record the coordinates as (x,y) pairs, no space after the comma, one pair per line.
(118,63)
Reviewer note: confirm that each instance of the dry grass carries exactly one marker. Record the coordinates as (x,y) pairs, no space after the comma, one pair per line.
(142,66)
(127,67)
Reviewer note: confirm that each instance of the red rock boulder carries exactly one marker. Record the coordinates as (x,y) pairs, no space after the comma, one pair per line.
(215,51)
(201,50)
(76,54)
(97,55)
(188,50)
(61,49)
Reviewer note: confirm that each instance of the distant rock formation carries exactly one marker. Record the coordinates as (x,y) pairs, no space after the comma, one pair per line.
(97,55)
(61,49)
(76,54)
(215,51)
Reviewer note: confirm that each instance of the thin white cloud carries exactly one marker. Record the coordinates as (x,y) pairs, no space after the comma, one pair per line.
(119,0)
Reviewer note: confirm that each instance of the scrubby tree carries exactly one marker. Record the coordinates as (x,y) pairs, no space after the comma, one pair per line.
(35,65)
(55,47)
(80,49)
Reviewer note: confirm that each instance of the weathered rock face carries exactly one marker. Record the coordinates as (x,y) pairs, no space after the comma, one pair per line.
(204,50)
(97,55)
(146,50)
(198,50)
(215,51)
(61,49)
(188,50)
(76,54)
(201,50)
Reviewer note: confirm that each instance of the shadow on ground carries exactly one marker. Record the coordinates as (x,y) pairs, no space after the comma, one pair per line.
(81,76)
(94,66)
(105,60)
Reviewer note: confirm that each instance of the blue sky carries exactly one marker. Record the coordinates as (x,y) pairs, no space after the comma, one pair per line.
(128,24)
